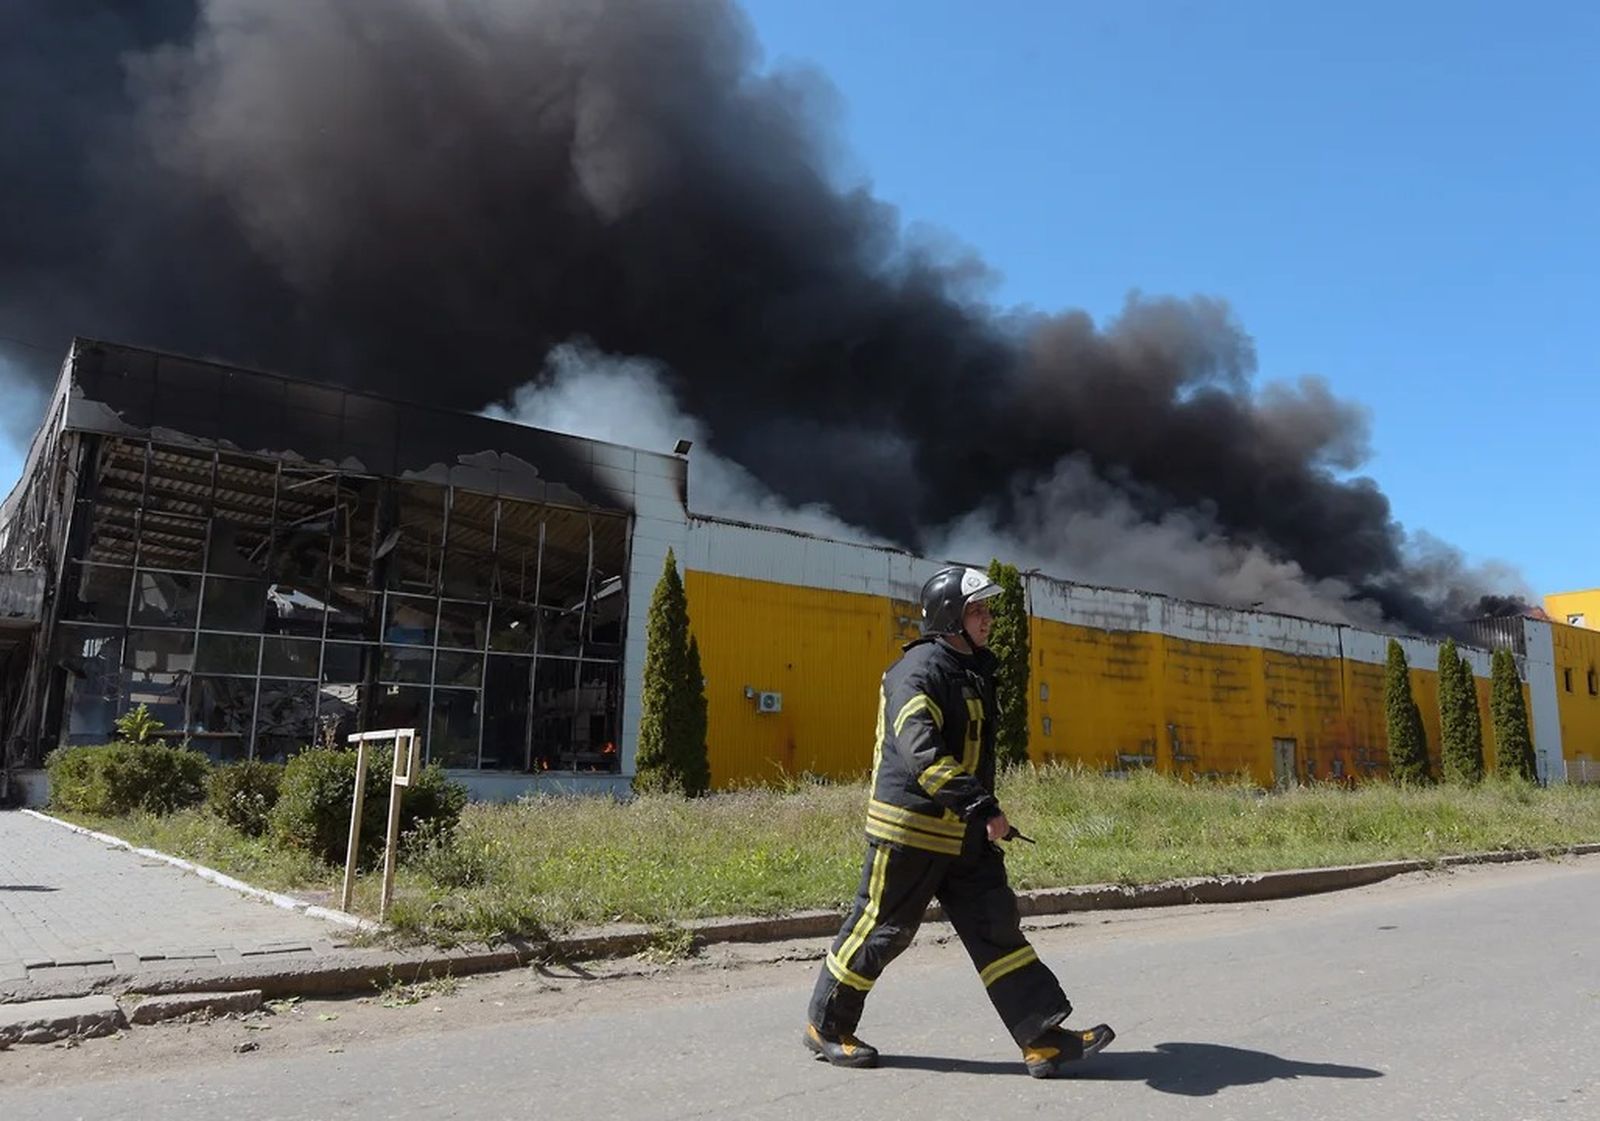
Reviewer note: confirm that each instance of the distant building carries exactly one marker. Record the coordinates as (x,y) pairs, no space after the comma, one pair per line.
(1576,609)
(269,563)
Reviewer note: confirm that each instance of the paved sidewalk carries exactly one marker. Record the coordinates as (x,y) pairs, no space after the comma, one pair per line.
(73,908)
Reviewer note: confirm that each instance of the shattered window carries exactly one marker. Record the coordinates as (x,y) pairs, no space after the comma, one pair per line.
(286,718)
(233,605)
(594,724)
(166,599)
(507,689)
(516,560)
(172,541)
(179,482)
(353,612)
(294,609)
(410,620)
(357,510)
(560,630)
(157,666)
(97,593)
(92,658)
(554,707)
(345,661)
(454,728)
(290,657)
(403,706)
(241,522)
(469,553)
(221,710)
(493,626)
(458,668)
(228,653)
(406,665)
(106,519)
(514,628)
(302,528)
(415,548)
(463,626)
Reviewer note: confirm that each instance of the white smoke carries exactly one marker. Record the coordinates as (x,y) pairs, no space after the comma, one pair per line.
(627,400)
(1076,526)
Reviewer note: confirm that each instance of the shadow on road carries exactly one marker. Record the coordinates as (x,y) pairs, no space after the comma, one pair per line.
(27,887)
(1193,1069)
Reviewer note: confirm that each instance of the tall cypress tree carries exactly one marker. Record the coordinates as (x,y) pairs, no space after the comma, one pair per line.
(1009,641)
(1408,743)
(696,758)
(1513,744)
(672,744)
(1460,732)
(1472,719)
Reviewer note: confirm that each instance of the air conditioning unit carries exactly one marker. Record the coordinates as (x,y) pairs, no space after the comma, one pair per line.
(769,702)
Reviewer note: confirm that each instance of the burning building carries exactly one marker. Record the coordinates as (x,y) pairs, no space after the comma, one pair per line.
(268,563)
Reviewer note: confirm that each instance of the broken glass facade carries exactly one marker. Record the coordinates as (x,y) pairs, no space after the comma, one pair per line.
(257,606)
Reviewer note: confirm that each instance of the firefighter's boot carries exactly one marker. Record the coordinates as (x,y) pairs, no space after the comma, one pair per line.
(842,1050)
(1054,1053)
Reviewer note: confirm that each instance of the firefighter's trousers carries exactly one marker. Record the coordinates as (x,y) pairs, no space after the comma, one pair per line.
(897,883)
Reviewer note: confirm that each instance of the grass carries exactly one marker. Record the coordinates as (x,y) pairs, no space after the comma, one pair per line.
(545,865)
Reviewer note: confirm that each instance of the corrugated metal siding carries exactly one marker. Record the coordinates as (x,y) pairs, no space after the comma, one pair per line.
(1120,679)
(1094,695)
(1577,657)
(824,651)
(1215,712)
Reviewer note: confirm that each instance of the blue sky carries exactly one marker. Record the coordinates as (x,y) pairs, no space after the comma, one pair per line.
(1398,197)
(1401,198)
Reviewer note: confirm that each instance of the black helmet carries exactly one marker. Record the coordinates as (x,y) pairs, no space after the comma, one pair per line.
(946,594)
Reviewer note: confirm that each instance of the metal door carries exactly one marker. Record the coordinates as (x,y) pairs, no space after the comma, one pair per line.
(1284,764)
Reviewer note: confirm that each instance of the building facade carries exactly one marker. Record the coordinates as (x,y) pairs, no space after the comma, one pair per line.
(1576,609)
(269,564)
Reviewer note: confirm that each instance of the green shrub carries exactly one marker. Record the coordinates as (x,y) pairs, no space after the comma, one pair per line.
(313,810)
(440,855)
(243,794)
(123,778)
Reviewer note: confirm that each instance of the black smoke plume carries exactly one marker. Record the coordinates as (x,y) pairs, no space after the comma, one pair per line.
(427,197)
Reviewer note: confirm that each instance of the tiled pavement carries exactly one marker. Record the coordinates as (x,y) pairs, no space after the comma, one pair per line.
(72,907)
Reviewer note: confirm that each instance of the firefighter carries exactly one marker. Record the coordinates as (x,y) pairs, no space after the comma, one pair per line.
(932,824)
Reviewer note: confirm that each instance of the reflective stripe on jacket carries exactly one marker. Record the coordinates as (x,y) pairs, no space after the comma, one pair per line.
(933,766)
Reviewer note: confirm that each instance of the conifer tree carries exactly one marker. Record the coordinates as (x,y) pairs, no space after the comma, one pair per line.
(1513,744)
(1460,731)
(696,765)
(1408,743)
(672,726)
(1472,718)
(1008,640)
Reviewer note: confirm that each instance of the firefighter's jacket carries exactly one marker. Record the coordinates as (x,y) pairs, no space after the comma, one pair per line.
(933,767)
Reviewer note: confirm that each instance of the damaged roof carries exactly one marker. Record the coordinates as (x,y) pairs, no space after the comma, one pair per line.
(122,390)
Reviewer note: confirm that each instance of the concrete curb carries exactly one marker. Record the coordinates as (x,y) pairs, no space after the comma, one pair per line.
(45,1021)
(367,970)
(287,902)
(154,1009)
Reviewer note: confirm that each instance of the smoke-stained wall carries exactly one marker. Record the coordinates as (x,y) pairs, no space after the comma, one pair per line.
(1120,679)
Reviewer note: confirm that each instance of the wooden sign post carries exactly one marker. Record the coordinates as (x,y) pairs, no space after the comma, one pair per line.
(407,759)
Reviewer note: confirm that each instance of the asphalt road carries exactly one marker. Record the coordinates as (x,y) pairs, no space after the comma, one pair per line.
(1472,995)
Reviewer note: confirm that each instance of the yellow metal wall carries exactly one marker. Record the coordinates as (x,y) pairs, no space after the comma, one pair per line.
(1109,698)
(1587,604)
(1577,655)
(823,651)
(1106,699)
